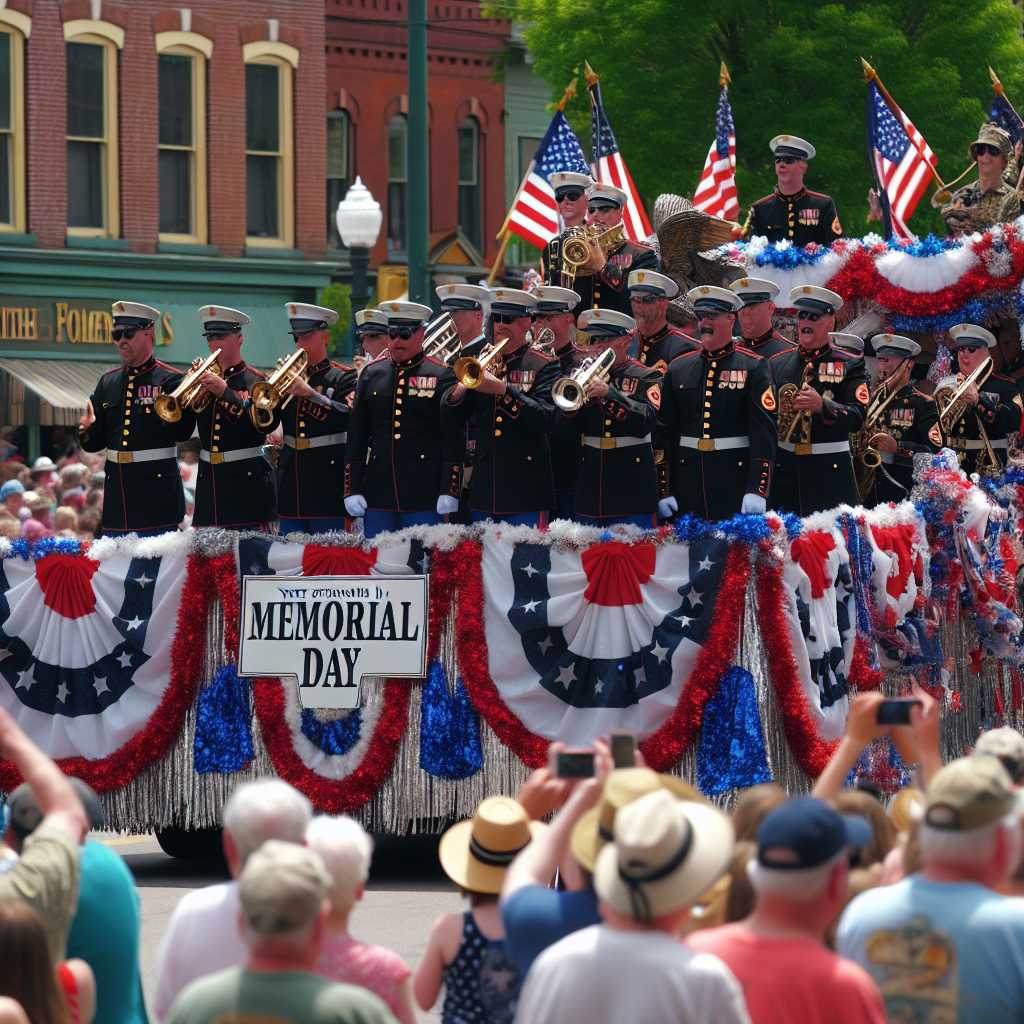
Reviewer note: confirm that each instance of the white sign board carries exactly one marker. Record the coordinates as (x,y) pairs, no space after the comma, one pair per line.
(330,631)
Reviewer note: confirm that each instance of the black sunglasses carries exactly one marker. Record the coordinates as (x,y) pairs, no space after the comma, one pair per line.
(786,159)
(405,333)
(117,333)
(568,195)
(806,314)
(970,348)
(645,298)
(508,318)
(984,147)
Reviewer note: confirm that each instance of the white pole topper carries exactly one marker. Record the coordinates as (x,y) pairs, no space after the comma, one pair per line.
(330,631)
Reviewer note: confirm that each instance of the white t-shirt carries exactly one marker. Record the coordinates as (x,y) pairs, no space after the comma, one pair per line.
(602,974)
(201,938)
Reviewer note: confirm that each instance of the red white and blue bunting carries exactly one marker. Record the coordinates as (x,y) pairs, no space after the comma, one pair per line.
(534,635)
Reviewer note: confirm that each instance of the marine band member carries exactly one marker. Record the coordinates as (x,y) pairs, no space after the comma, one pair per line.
(143,492)
(756,317)
(512,416)
(311,467)
(906,424)
(717,419)
(401,467)
(792,211)
(571,198)
(555,312)
(616,480)
(467,304)
(235,486)
(993,407)
(852,343)
(815,468)
(658,342)
(371,334)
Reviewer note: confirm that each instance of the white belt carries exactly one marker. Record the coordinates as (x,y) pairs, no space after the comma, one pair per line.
(236,455)
(971,445)
(300,444)
(142,455)
(824,448)
(614,442)
(714,444)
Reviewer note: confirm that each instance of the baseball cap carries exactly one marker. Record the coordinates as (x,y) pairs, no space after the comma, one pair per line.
(969,793)
(1008,745)
(806,832)
(24,813)
(11,487)
(282,887)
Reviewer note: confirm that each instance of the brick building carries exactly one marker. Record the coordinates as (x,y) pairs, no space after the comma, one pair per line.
(169,154)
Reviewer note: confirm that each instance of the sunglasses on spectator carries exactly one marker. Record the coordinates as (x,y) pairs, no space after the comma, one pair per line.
(645,298)
(786,159)
(508,318)
(806,314)
(569,195)
(405,333)
(117,333)
(983,147)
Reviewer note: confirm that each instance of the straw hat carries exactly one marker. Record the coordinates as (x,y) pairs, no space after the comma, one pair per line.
(623,786)
(666,853)
(476,853)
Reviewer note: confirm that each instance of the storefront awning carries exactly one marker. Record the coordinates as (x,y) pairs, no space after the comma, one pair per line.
(63,385)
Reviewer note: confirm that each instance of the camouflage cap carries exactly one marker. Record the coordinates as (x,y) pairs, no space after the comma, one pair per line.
(969,793)
(991,135)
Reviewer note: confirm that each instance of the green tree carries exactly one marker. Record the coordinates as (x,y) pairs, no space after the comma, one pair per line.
(338,297)
(795,68)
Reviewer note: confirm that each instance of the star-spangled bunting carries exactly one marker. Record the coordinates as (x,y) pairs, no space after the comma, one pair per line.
(716,191)
(534,214)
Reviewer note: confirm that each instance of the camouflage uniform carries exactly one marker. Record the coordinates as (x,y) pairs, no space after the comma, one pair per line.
(973,210)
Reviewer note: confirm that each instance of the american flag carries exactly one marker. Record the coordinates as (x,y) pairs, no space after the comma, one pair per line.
(716,190)
(903,162)
(1006,117)
(534,213)
(610,167)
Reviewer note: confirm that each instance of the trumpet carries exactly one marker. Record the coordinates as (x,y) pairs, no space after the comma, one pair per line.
(441,340)
(269,395)
(866,457)
(570,393)
(469,370)
(543,341)
(190,393)
(576,247)
(789,417)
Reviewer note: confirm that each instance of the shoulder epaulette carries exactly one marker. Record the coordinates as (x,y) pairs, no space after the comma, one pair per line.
(167,366)
(818,195)
(342,366)
(685,355)
(435,361)
(763,199)
(784,352)
(747,351)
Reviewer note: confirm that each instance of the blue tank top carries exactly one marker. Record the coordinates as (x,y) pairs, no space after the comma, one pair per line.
(481,983)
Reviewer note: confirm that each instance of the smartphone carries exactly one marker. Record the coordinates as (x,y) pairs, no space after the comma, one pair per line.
(572,764)
(623,749)
(895,711)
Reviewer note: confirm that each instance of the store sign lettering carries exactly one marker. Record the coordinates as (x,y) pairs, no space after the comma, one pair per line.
(51,324)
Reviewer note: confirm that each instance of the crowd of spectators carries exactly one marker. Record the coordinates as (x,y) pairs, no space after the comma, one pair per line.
(622,896)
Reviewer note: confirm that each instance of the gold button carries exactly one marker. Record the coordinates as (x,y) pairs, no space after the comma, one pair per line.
(607,423)
(216,448)
(497,433)
(498,419)
(396,424)
(124,444)
(607,433)
(125,432)
(302,423)
(398,437)
(637,459)
(707,405)
(422,456)
(398,400)
(398,412)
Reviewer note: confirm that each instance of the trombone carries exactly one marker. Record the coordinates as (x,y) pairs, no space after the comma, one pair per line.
(190,393)
(441,340)
(570,393)
(469,370)
(269,395)
(543,341)
(948,396)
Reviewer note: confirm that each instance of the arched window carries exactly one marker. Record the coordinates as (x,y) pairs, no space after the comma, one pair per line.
(182,143)
(92,136)
(12,129)
(269,147)
(397,165)
(339,128)
(470,206)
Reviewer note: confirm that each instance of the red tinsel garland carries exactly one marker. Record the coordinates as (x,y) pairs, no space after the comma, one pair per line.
(155,740)
(811,752)
(662,749)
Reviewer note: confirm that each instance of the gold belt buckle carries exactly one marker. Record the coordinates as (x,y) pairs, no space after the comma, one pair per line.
(216,458)
(607,442)
(705,444)
(301,444)
(802,448)
(124,458)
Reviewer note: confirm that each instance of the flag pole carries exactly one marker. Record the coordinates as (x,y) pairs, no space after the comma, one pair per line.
(871,75)
(883,196)
(724,78)
(504,235)
(999,90)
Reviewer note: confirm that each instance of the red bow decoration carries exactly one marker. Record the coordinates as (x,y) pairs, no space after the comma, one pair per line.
(811,550)
(324,560)
(66,583)
(616,571)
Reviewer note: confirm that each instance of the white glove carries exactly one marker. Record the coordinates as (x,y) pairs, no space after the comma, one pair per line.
(668,507)
(446,505)
(355,505)
(753,505)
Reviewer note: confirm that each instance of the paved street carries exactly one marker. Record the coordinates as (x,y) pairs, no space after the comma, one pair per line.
(407,891)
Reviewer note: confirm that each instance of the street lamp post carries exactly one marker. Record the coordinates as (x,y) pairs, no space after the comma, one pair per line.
(359,219)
